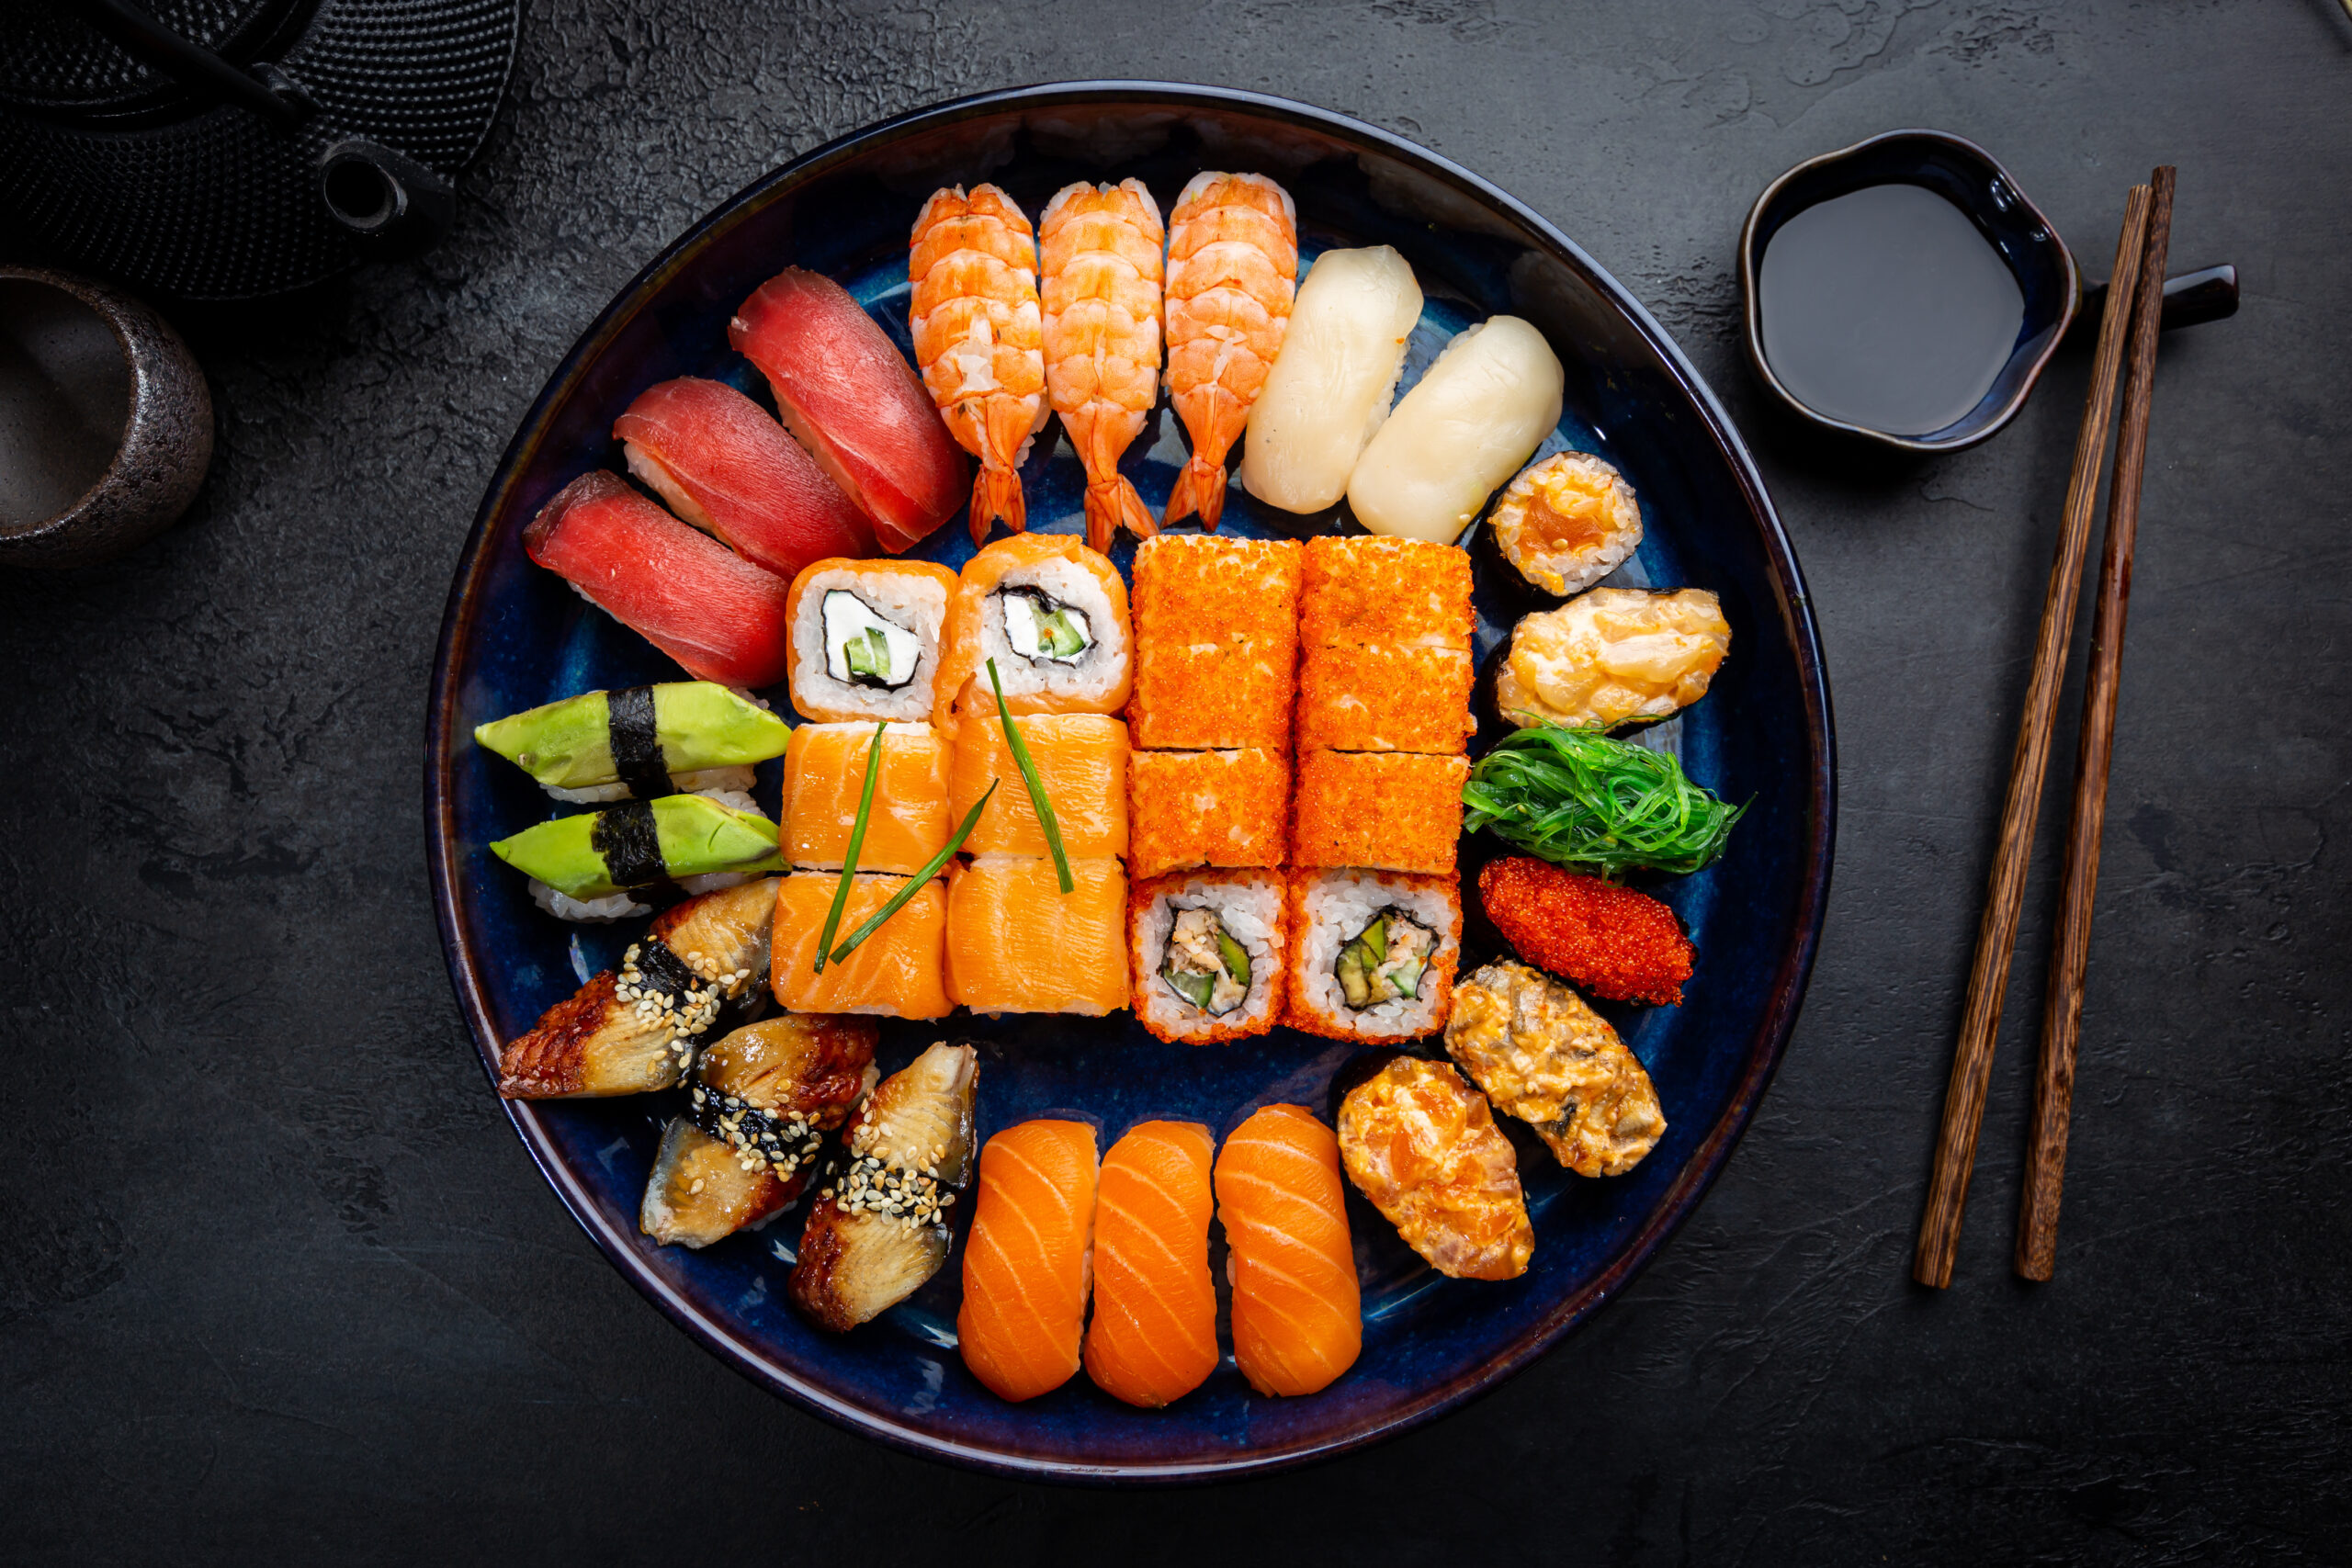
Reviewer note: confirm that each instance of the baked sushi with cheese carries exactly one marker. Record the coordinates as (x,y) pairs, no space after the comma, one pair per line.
(824,779)
(866,640)
(1192,808)
(1207,949)
(1372,954)
(1567,522)
(1423,1146)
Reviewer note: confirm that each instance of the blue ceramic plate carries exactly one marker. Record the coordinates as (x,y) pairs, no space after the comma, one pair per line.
(515,636)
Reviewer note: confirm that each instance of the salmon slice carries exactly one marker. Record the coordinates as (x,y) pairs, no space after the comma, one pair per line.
(896,972)
(1016,943)
(1298,1316)
(1153,1339)
(824,775)
(1026,1264)
(1082,762)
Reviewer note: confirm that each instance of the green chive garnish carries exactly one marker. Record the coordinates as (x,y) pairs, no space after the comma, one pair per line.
(857,842)
(1037,786)
(931,869)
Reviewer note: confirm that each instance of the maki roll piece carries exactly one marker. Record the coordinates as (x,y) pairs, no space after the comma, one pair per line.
(1053,614)
(1372,696)
(600,864)
(1208,950)
(1423,1146)
(1406,592)
(681,737)
(1478,412)
(867,639)
(725,467)
(1613,656)
(760,1100)
(846,391)
(1216,642)
(685,593)
(896,973)
(878,1229)
(1081,760)
(1372,954)
(1568,521)
(1392,810)
(1543,1055)
(824,778)
(1192,808)
(635,1030)
(1016,943)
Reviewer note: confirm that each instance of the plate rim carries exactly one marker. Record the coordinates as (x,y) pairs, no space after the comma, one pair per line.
(1789,981)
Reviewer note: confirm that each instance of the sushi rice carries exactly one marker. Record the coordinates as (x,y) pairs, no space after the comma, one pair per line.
(913,602)
(1328,909)
(1249,906)
(1089,675)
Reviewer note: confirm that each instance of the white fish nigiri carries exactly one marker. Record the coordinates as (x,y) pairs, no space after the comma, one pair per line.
(1472,419)
(1331,385)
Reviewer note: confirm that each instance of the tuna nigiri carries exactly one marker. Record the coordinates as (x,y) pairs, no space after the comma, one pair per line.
(725,467)
(686,594)
(1153,1339)
(1297,1314)
(978,332)
(846,391)
(1027,1263)
(1103,266)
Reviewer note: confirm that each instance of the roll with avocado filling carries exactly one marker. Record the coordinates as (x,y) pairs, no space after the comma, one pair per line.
(864,647)
(1384,962)
(1042,629)
(1205,965)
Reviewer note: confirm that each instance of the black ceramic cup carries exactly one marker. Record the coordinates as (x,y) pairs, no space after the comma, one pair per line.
(105,421)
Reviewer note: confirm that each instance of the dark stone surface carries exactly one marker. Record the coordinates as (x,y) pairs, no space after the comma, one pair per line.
(280,1280)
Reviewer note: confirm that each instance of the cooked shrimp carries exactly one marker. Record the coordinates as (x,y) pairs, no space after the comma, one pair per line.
(978,332)
(1102,271)
(1232,273)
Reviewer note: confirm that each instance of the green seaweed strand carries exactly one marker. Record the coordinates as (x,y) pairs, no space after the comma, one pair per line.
(1576,797)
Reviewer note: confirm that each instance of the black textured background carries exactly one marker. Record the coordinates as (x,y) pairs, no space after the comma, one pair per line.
(275,1277)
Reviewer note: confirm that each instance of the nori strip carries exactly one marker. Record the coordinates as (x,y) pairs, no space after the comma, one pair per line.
(637,747)
(626,838)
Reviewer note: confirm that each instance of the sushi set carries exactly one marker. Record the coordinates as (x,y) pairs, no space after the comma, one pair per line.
(1125,815)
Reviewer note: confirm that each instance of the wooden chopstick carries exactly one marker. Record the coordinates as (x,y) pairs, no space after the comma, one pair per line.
(1988,977)
(2062,1015)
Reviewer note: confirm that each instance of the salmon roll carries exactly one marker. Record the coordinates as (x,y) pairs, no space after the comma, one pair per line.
(1082,758)
(898,972)
(1392,810)
(1028,1263)
(866,640)
(1371,956)
(1216,642)
(1380,697)
(1053,614)
(1190,808)
(824,777)
(1153,1339)
(1016,943)
(1297,1310)
(1362,588)
(1207,948)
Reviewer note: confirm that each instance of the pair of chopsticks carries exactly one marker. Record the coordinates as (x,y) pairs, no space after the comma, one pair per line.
(2135,301)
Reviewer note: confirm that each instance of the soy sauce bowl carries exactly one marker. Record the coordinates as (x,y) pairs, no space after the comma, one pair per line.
(1972,181)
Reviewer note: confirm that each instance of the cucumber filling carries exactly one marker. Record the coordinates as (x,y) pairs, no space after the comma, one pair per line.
(864,649)
(1043,629)
(1384,962)
(1205,965)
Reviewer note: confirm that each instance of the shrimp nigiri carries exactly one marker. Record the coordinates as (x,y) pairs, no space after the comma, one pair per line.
(1232,273)
(1102,276)
(978,332)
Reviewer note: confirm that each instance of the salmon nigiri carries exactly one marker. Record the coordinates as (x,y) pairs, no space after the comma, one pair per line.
(1154,1335)
(1026,1266)
(1297,1316)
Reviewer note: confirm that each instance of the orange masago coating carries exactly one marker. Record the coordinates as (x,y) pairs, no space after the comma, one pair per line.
(1297,1312)
(1613,942)
(1153,1339)
(1026,1264)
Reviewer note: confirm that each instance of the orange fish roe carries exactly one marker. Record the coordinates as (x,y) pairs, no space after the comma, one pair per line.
(1613,942)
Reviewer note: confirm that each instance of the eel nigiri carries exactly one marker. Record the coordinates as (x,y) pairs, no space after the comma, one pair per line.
(725,467)
(846,391)
(1297,1312)
(636,1031)
(639,742)
(760,1100)
(879,1230)
(1026,1263)
(979,337)
(685,593)
(1102,248)
(1153,1339)
(1478,413)
(1330,389)
(1232,274)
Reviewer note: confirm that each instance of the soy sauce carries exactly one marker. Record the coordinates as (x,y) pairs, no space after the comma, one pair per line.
(1886,308)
